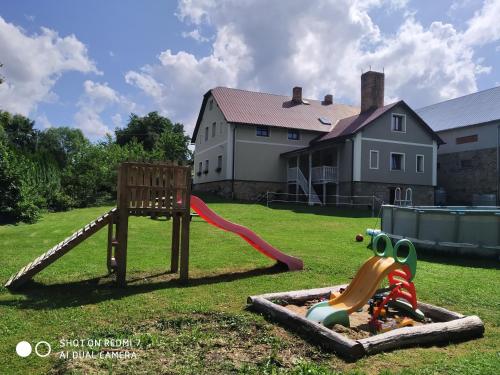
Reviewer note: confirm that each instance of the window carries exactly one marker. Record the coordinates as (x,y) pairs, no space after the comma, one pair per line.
(466,163)
(219,163)
(420,164)
(398,123)
(206,133)
(293,134)
(206,167)
(214,127)
(211,104)
(373,159)
(466,139)
(262,131)
(397,161)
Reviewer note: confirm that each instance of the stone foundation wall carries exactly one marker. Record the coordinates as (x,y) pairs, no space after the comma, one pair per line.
(244,190)
(423,195)
(478,176)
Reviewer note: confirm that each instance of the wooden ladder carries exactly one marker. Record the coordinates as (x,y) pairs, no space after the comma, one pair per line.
(49,257)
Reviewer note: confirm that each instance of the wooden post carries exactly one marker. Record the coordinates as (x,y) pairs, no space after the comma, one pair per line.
(176,226)
(110,245)
(122,229)
(186,220)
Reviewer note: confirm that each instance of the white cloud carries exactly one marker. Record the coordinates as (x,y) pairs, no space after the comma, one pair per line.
(43,122)
(97,98)
(34,63)
(322,46)
(484,27)
(196,35)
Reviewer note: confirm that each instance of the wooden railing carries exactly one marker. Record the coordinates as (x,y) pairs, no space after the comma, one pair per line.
(147,188)
(324,173)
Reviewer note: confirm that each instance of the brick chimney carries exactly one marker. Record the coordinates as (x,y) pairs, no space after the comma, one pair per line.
(328,99)
(297,95)
(372,90)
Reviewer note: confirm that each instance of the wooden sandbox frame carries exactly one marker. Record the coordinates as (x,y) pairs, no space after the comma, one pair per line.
(451,326)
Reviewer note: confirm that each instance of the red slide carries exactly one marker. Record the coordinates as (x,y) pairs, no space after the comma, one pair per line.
(258,243)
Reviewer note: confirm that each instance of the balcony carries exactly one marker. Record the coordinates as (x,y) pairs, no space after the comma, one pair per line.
(324,174)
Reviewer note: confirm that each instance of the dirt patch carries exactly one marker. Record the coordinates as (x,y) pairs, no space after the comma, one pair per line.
(359,327)
(200,343)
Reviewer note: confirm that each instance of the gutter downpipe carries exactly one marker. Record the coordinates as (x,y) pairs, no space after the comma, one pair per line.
(498,165)
(232,177)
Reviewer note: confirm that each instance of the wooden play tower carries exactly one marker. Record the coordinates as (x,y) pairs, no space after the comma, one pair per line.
(144,189)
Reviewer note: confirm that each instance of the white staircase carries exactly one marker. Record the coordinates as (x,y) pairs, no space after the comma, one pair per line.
(295,175)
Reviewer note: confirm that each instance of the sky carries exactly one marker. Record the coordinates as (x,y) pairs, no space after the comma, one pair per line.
(89,64)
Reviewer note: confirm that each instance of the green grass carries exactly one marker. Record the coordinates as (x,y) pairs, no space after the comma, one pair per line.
(204,327)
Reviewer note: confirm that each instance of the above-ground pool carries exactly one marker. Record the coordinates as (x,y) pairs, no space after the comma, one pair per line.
(452,229)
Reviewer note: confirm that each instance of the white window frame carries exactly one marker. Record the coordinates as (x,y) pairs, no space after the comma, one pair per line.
(404,122)
(263,136)
(416,163)
(403,164)
(378,159)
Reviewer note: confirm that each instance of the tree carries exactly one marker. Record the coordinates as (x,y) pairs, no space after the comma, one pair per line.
(20,131)
(61,143)
(156,133)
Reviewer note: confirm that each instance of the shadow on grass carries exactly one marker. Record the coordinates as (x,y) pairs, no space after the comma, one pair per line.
(98,289)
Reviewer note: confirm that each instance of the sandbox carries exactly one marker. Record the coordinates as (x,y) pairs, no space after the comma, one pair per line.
(442,326)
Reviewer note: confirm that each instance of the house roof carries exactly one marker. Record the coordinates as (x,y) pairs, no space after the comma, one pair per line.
(476,108)
(258,108)
(351,125)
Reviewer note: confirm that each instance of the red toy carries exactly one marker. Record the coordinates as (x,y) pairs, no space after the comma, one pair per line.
(359,238)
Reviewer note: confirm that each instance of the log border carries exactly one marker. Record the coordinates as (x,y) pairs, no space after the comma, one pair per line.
(450,326)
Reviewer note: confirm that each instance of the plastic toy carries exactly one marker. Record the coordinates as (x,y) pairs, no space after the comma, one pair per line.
(363,287)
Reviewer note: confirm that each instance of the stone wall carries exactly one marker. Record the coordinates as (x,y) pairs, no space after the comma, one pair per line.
(477,175)
(423,195)
(244,190)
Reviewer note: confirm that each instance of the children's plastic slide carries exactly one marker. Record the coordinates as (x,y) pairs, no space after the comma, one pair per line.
(366,282)
(249,236)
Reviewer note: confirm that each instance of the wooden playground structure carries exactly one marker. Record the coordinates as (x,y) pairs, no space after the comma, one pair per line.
(144,189)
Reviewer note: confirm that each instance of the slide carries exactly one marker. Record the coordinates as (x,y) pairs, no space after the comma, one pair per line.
(255,241)
(358,292)
(365,283)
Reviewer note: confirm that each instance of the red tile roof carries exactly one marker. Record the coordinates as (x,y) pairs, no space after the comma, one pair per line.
(257,108)
(350,125)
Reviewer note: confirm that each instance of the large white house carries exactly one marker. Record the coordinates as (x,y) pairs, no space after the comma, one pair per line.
(248,143)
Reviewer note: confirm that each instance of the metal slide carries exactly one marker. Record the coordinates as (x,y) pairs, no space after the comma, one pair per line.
(254,240)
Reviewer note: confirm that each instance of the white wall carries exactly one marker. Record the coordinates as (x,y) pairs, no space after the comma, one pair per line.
(214,146)
(487,138)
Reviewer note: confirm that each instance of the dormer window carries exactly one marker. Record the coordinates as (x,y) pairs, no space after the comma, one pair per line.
(398,123)
(324,121)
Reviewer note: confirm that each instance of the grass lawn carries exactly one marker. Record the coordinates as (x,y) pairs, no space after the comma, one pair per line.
(204,327)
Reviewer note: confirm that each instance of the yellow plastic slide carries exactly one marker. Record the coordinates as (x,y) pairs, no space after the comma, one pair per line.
(359,291)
